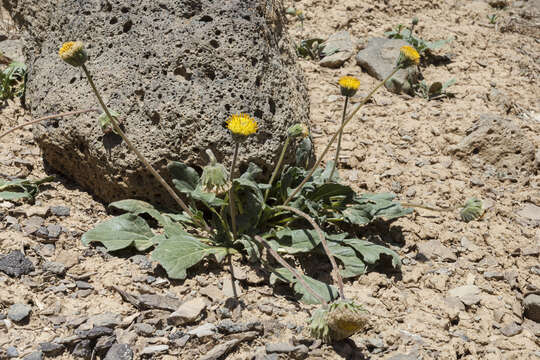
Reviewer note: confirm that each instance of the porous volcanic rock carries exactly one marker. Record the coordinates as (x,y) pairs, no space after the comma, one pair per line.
(174,70)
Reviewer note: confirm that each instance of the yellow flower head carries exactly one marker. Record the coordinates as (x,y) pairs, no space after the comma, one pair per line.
(409,56)
(73,53)
(241,126)
(349,85)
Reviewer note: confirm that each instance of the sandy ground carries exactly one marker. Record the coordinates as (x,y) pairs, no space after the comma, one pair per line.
(397,143)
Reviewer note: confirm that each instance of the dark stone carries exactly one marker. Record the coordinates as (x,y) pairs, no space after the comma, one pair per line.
(83,285)
(51,349)
(83,349)
(174,69)
(60,210)
(16,264)
(228,326)
(151,301)
(53,231)
(94,333)
(119,352)
(104,343)
(141,260)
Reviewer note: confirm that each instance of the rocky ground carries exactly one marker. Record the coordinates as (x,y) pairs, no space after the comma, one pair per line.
(465,291)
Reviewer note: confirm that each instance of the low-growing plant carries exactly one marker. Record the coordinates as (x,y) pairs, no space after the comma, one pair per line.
(12,81)
(298,14)
(21,188)
(436,90)
(493,18)
(300,212)
(423,47)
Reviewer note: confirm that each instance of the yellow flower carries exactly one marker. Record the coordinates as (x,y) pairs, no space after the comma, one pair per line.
(241,126)
(73,53)
(349,85)
(409,56)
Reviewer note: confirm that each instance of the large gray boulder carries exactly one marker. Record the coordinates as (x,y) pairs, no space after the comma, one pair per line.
(174,69)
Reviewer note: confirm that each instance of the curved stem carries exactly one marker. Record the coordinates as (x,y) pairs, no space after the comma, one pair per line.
(335,273)
(48,117)
(336,159)
(141,157)
(276,170)
(231,191)
(347,119)
(293,271)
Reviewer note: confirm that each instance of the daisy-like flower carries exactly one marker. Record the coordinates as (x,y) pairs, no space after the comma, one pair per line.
(338,321)
(349,85)
(241,126)
(73,53)
(408,56)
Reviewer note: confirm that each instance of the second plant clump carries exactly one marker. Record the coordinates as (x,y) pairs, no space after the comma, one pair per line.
(299,213)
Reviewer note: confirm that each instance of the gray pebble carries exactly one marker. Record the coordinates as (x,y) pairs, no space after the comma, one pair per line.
(83,285)
(511,329)
(83,349)
(141,260)
(154,349)
(54,267)
(19,312)
(36,355)
(119,352)
(60,210)
(144,329)
(51,349)
(53,231)
(12,352)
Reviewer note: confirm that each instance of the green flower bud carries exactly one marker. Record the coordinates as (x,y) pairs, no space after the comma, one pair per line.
(338,321)
(215,177)
(414,21)
(298,130)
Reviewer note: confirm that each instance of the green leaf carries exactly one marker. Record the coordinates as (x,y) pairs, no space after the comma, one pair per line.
(352,264)
(472,210)
(447,84)
(121,232)
(296,241)
(303,152)
(251,247)
(185,178)
(328,190)
(327,292)
(137,207)
(21,188)
(180,251)
(371,253)
(373,206)
(434,45)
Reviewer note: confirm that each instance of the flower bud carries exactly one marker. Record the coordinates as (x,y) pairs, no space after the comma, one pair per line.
(298,130)
(73,53)
(338,321)
(414,21)
(215,177)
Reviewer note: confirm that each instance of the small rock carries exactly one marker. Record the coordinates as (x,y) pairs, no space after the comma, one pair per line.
(511,329)
(51,349)
(83,285)
(141,260)
(83,349)
(212,292)
(36,355)
(531,307)
(337,49)
(159,302)
(104,343)
(94,333)
(187,312)
(119,352)
(218,351)
(60,210)
(493,275)
(54,267)
(468,294)
(144,329)
(106,319)
(379,59)
(18,312)
(413,355)
(12,352)
(32,224)
(231,291)
(530,211)
(154,349)
(207,329)
(280,348)
(181,342)
(228,326)
(16,264)
(267,309)
(434,249)
(376,342)
(53,231)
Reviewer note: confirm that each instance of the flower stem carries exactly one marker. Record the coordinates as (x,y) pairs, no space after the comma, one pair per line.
(276,170)
(336,159)
(347,119)
(48,117)
(336,275)
(141,157)
(293,271)
(231,191)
